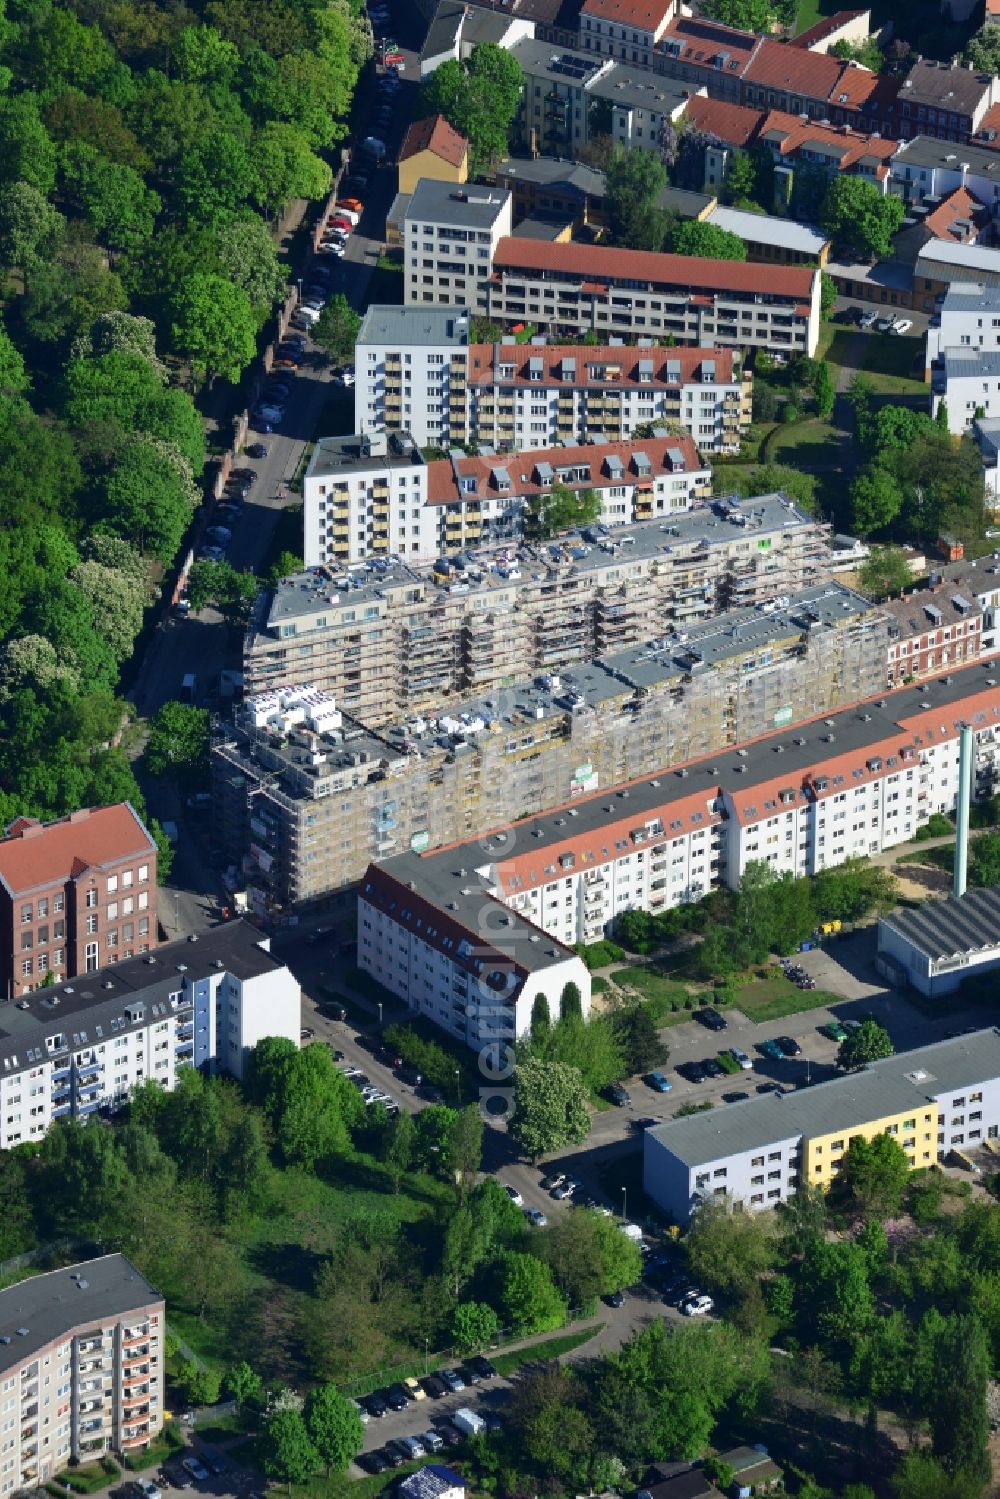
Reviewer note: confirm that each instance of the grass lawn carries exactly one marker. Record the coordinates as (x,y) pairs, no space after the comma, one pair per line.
(942,857)
(90,1477)
(287,537)
(667,996)
(888,361)
(506,1363)
(157,1453)
(386,283)
(773,998)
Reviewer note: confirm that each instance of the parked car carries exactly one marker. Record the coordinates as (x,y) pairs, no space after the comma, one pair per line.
(694,1072)
(482,1365)
(434,1385)
(414,1447)
(616,1299)
(414,1390)
(432,1441)
(351,205)
(710,1017)
(741,1059)
(211,554)
(395,1454)
(376,1405)
(901,325)
(450,1435)
(617,1095)
(195,1468)
(564,1190)
(770,1088)
(514,1195)
(258,450)
(660,1083)
(712,1068)
(789,1046)
(453,1380)
(396,1398)
(409,1075)
(555,1180)
(344,378)
(770,1048)
(372,1462)
(735,1097)
(536,1217)
(869,319)
(219,534)
(243,473)
(697,1306)
(834,1030)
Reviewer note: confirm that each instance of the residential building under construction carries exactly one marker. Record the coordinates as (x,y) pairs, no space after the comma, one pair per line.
(307,795)
(388,639)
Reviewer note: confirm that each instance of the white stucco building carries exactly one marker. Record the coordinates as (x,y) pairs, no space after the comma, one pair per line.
(450,234)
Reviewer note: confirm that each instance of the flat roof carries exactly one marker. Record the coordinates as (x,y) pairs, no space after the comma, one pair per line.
(420,326)
(559,64)
(970,364)
(928,151)
(90,1008)
(554,171)
(358,454)
(453,203)
(964,924)
(765,230)
(44,1308)
(704,526)
(909,1080)
(971,296)
(639,89)
(965,257)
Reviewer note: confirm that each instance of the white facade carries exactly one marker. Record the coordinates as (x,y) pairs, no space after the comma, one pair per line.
(363,499)
(474,991)
(969,383)
(410,372)
(968,319)
(450,233)
(67,1056)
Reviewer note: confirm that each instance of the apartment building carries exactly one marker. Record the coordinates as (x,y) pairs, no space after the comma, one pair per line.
(759,1153)
(70,1050)
(967,322)
(570,98)
(849,785)
(934,629)
(513,396)
(944,100)
(450,234)
(783,241)
(375,496)
(968,382)
(926,168)
(303,812)
(628,29)
(74,894)
(411,372)
(405,639)
(462,959)
(706,55)
(81,1369)
(570,194)
(579,289)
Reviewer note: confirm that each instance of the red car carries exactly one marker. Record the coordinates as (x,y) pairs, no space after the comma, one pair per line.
(338,222)
(394,60)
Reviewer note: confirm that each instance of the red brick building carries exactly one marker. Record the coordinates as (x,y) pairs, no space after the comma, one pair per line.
(74,895)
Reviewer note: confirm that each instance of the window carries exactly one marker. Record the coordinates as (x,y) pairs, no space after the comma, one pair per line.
(126,878)
(112,883)
(91,925)
(91,899)
(90,957)
(26,913)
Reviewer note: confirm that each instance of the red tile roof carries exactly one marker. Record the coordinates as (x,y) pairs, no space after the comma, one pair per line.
(692,272)
(434,134)
(732,123)
(443,473)
(817,75)
(485,359)
(959,205)
(643,15)
(848,146)
(34,853)
(988,134)
(534,867)
(699,43)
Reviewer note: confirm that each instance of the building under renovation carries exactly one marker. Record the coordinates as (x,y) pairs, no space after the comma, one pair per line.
(307,795)
(388,639)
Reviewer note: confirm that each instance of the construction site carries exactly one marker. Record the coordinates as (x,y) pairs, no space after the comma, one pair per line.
(306,793)
(388,639)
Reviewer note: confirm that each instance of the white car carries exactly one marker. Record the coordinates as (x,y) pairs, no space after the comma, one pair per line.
(740,1057)
(337,248)
(514,1195)
(902,325)
(363,1415)
(147,1488)
(536,1217)
(697,1306)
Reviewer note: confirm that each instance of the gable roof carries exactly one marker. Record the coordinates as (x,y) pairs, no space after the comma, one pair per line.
(958,208)
(733,123)
(434,134)
(642,15)
(35,854)
(670,367)
(600,263)
(788,133)
(699,42)
(445,474)
(944,85)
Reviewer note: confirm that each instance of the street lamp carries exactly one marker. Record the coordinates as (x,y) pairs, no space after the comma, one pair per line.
(624,1201)
(379,1002)
(425,1355)
(458,1086)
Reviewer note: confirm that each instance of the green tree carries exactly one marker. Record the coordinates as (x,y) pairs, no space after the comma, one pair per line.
(885,572)
(479,97)
(984,859)
(561,508)
(285,166)
(464,1146)
(730,1252)
(638,1039)
(529,1301)
(550,1107)
(65,295)
(474,1325)
(337,328)
(983,51)
(823,390)
(958,1416)
(867,53)
(541,1020)
(220,584)
(741,179)
(876,500)
(835,1291)
(246,255)
(334,1427)
(179,742)
(921,1476)
(113,196)
(874,1175)
(635,183)
(859,219)
(778,477)
(30,228)
(400,1148)
(27,153)
(869,1043)
(691,237)
(212,325)
(745,15)
(285,1450)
